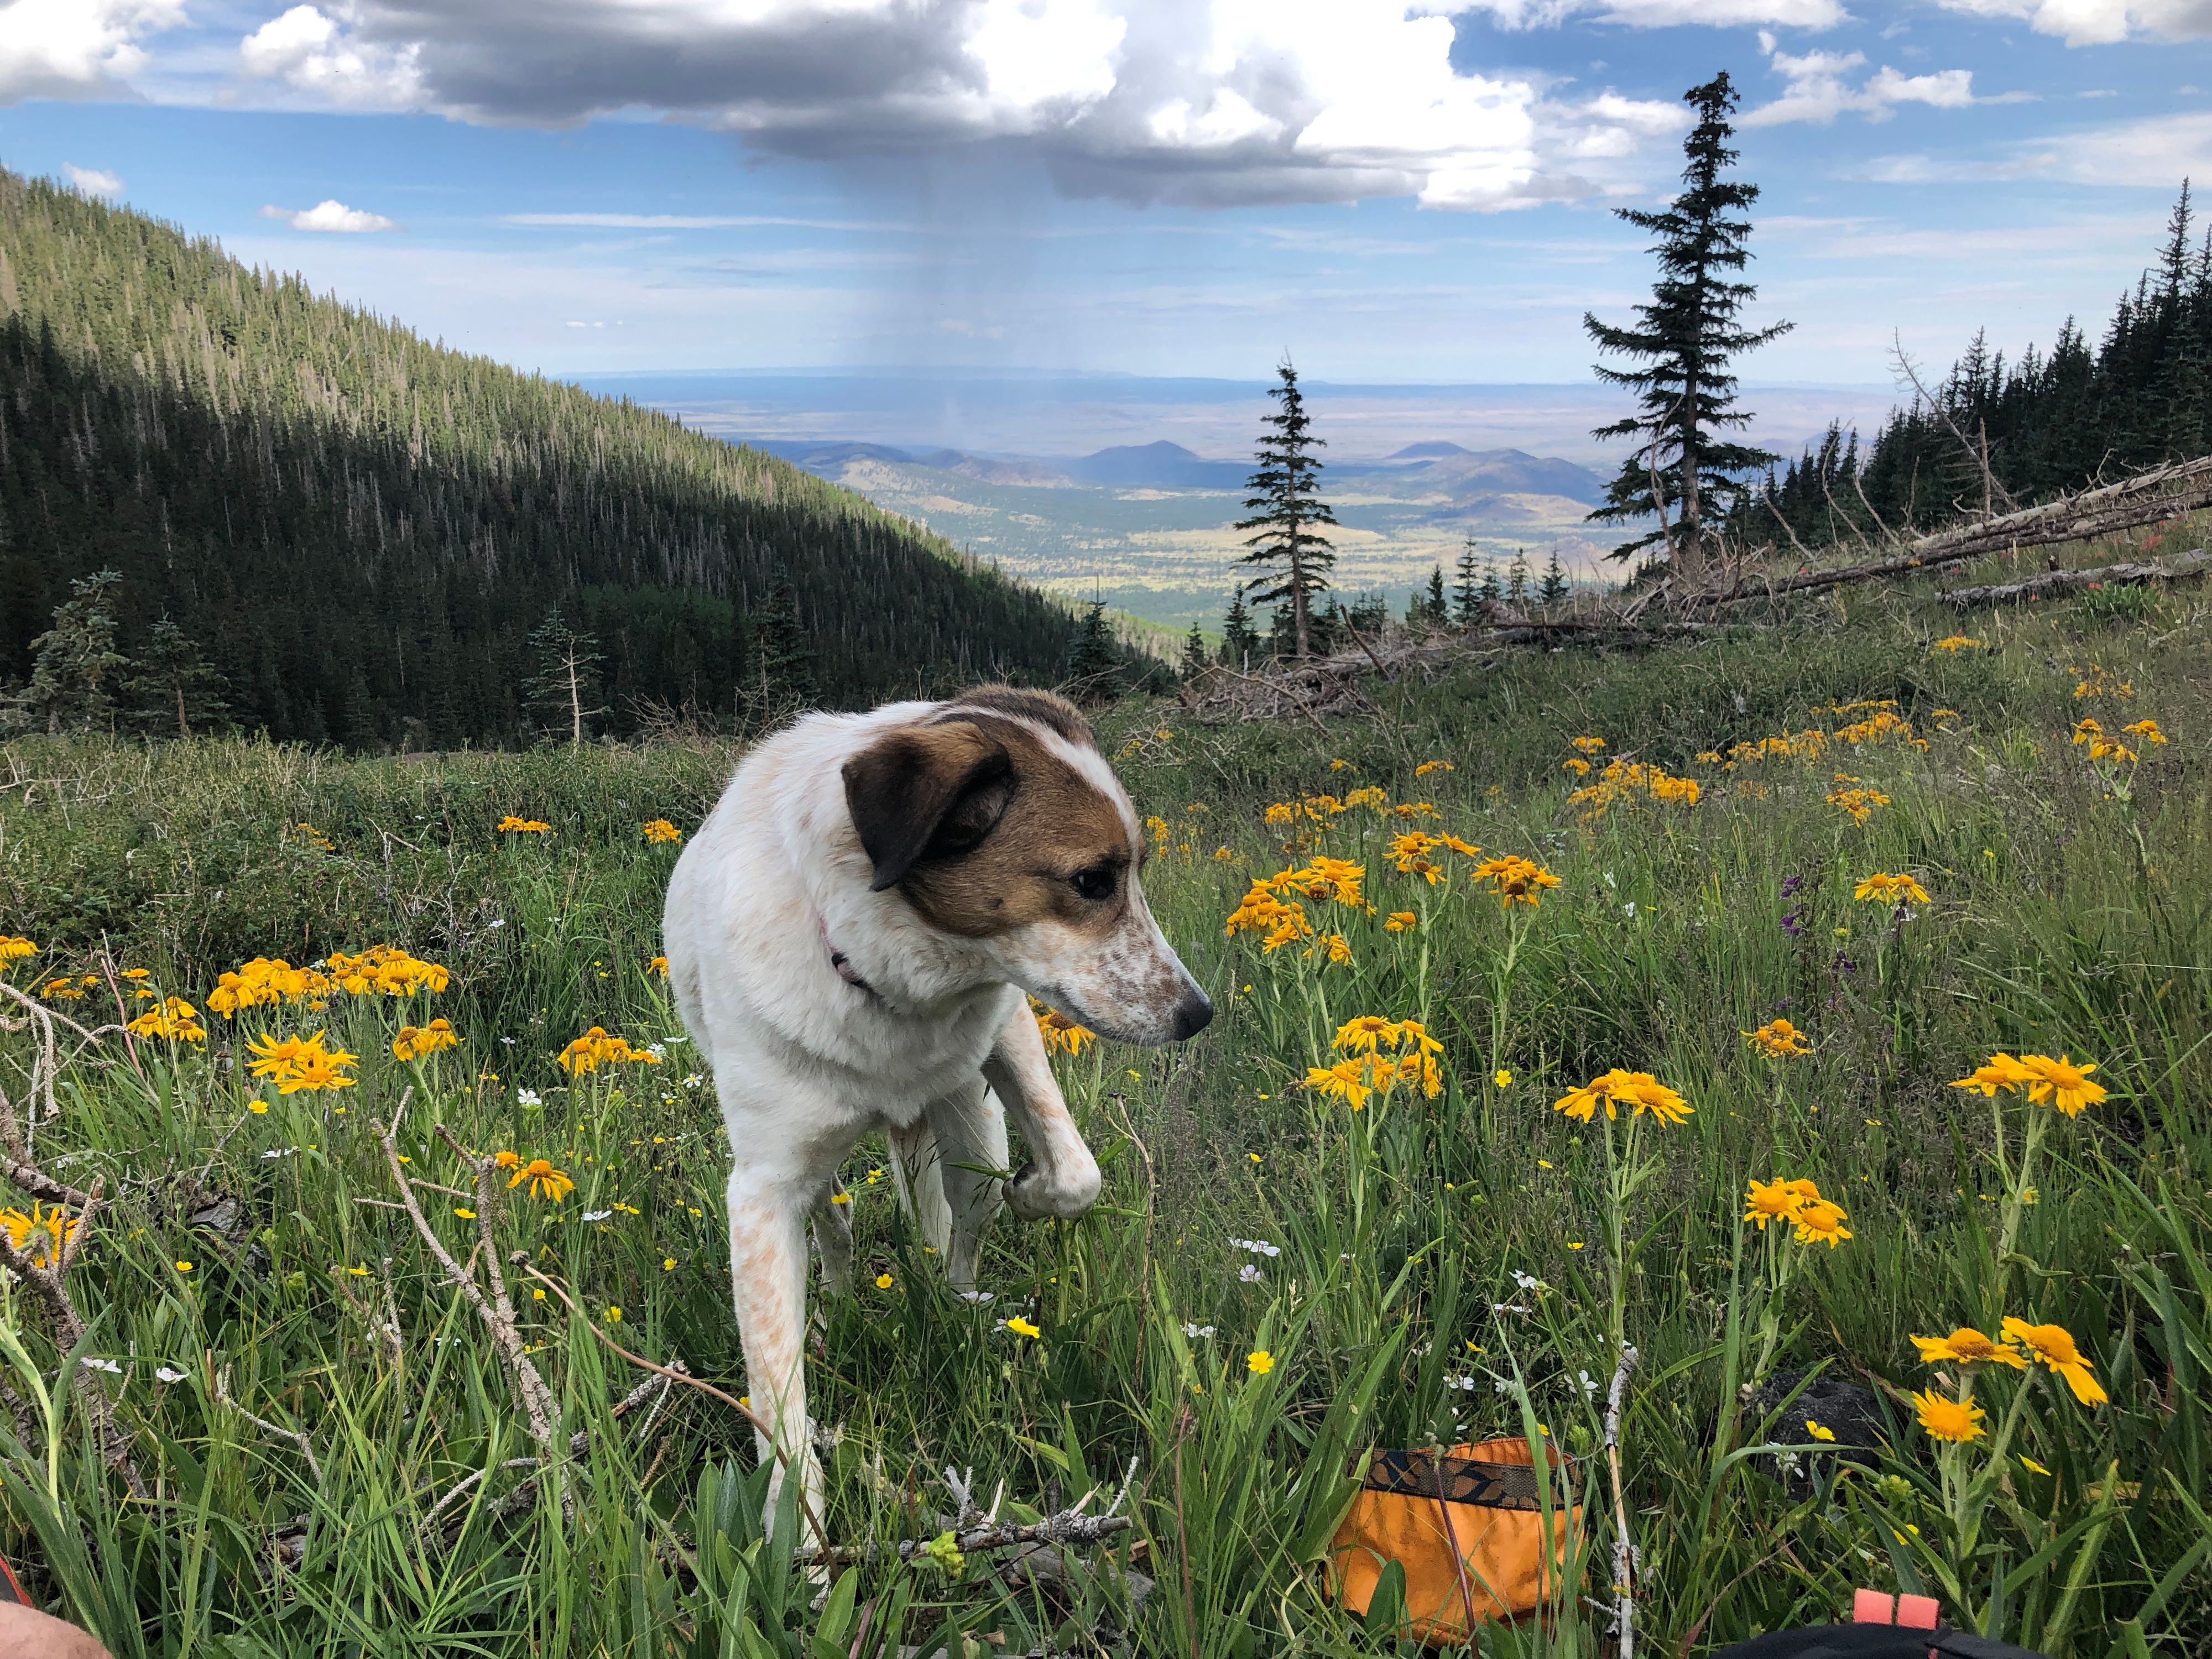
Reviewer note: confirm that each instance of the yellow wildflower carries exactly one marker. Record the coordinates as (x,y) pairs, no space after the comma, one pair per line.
(13,947)
(513,825)
(1339,951)
(1638,1090)
(2147,730)
(1775,1200)
(1966,1346)
(1018,1326)
(1952,1421)
(1502,1077)
(2003,1072)
(1820,1221)
(2055,1348)
(1401,921)
(1958,642)
(1587,745)
(1259,1362)
(2064,1085)
(539,1179)
(1516,880)
(418,1044)
(1819,1430)
(1883,888)
(1427,766)
(43,1236)
(173,1017)
(1779,1040)
(1060,1033)
(883,1281)
(660,829)
(658,965)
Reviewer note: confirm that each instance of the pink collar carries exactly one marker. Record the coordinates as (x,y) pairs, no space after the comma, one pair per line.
(840,961)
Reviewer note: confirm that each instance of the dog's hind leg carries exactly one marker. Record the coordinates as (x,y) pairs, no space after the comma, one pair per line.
(833,1241)
(919,1178)
(970,1127)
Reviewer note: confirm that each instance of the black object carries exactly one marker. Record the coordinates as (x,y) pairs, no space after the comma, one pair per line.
(1467,1480)
(1847,1411)
(1872,1642)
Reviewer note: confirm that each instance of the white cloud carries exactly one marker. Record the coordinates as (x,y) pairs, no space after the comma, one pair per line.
(1213,101)
(76,48)
(1669,14)
(2156,153)
(1819,89)
(313,53)
(93,181)
(2099,22)
(331,217)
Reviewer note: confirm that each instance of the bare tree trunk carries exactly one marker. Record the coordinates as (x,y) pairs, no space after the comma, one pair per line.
(576,703)
(1298,611)
(183,729)
(1691,518)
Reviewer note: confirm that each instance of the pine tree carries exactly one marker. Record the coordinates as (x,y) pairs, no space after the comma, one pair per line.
(564,692)
(1467,593)
(174,685)
(1195,658)
(1434,611)
(779,678)
(1490,591)
(1285,491)
(1239,640)
(1683,341)
(1555,583)
(76,670)
(1517,580)
(1095,664)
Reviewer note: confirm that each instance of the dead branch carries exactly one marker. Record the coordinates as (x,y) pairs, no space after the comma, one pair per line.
(974,1531)
(497,1312)
(297,1436)
(1980,456)
(2164,492)
(2181,568)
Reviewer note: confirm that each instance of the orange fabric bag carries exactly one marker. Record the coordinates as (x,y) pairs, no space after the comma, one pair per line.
(1414,1508)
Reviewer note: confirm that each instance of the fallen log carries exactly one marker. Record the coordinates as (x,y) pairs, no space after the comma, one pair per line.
(2179,568)
(2164,492)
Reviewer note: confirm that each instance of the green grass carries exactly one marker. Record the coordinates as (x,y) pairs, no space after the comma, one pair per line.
(2069,914)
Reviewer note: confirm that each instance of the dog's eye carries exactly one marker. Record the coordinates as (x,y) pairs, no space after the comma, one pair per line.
(1096,884)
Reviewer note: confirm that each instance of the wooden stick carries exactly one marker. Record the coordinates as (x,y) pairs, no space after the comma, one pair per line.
(2180,568)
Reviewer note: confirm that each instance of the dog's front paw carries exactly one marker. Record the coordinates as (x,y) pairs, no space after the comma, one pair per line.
(1036,1194)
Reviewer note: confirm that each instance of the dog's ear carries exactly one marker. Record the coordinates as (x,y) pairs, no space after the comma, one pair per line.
(925,791)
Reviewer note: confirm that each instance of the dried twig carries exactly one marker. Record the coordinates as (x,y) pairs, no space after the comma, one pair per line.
(497,1311)
(1623,1548)
(297,1436)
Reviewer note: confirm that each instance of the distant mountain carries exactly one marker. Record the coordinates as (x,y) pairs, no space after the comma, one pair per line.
(1161,466)
(1447,472)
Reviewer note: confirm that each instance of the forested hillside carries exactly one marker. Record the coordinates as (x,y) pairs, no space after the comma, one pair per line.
(361,530)
(2049,422)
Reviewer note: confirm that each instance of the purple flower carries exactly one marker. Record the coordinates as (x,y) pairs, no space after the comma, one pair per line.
(1794,923)
(1790,884)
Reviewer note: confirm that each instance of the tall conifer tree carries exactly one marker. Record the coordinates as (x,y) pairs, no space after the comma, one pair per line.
(1682,344)
(1239,639)
(1285,491)
(174,685)
(1467,591)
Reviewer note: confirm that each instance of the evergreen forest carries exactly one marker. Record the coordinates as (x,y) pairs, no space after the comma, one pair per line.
(2046,424)
(314,523)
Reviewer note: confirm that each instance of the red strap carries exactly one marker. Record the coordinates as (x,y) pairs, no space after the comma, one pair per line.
(1879,1607)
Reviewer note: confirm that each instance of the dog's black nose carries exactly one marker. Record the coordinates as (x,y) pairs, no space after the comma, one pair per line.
(1193,1014)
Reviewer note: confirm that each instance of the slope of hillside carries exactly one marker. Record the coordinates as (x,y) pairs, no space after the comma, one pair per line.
(362,529)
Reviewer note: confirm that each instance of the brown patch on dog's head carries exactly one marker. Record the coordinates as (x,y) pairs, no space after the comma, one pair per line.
(984,828)
(1054,713)
(998,820)
(925,792)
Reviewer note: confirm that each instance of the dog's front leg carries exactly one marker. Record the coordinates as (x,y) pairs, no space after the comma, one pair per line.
(1062,1177)
(768,1279)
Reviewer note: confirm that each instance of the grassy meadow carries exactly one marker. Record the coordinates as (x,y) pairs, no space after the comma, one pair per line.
(1285,1270)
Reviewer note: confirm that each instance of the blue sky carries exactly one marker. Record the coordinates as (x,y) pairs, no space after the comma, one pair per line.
(1155,186)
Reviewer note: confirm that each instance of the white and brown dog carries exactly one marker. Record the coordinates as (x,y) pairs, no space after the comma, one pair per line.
(849,935)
